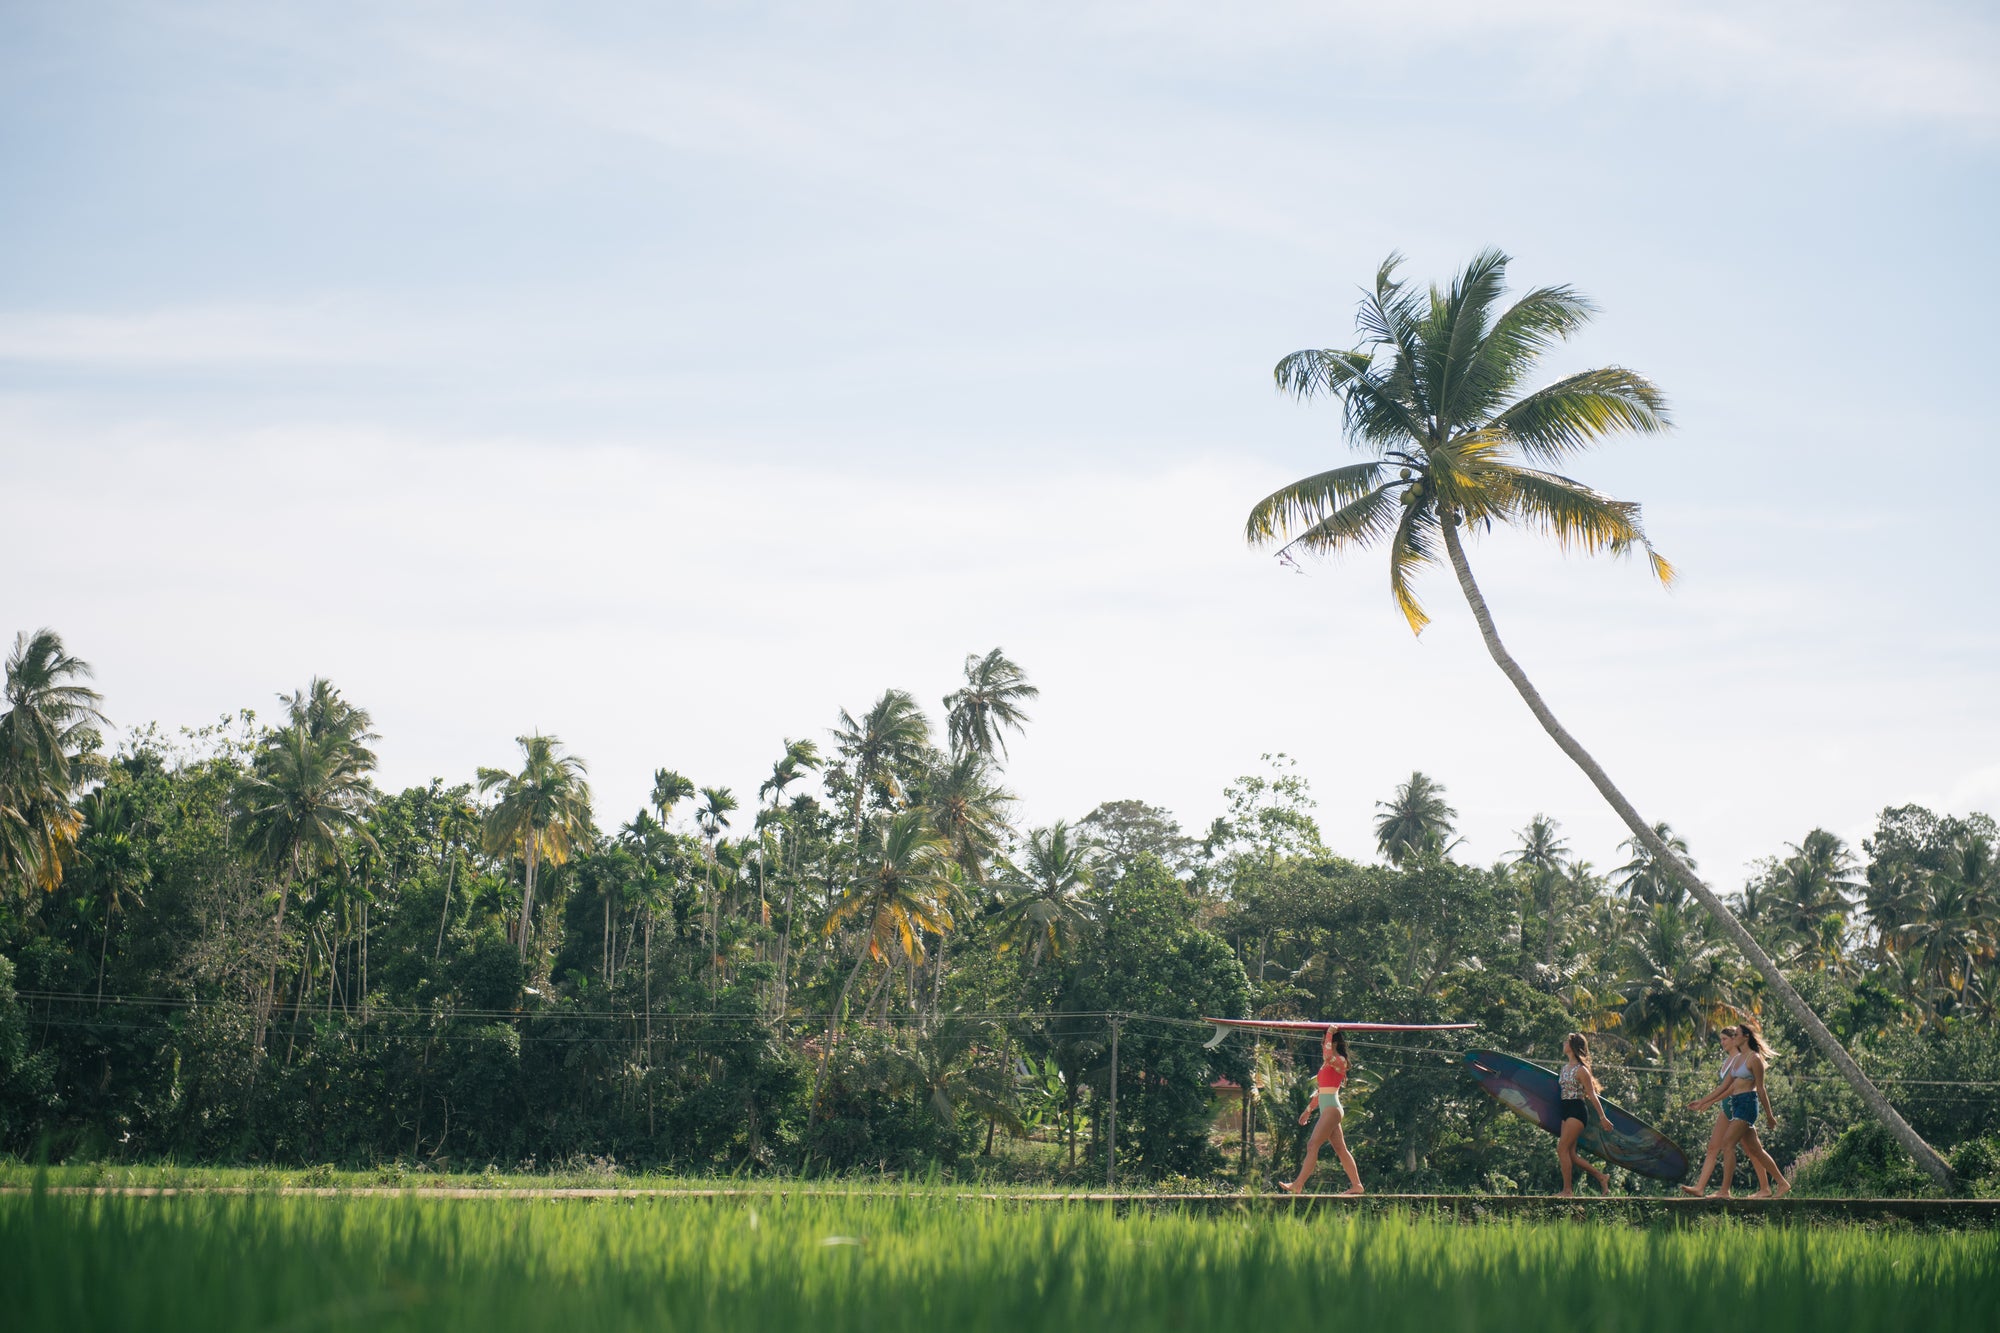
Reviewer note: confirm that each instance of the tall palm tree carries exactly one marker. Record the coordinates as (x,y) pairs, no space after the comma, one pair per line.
(887,738)
(1810,895)
(1676,984)
(542,812)
(1541,857)
(1646,879)
(109,851)
(799,757)
(455,824)
(1417,820)
(669,790)
(979,715)
(1044,909)
(901,891)
(967,807)
(1431,392)
(49,742)
(712,814)
(307,792)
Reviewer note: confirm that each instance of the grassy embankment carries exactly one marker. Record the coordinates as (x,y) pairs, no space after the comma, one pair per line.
(922,1260)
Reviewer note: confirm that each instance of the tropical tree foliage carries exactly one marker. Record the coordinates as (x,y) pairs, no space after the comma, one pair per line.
(705,990)
(1436,392)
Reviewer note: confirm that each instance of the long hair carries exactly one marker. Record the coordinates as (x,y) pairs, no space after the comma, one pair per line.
(1578,1048)
(1339,1043)
(1752,1036)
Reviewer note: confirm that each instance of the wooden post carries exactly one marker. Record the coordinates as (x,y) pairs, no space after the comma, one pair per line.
(1111,1126)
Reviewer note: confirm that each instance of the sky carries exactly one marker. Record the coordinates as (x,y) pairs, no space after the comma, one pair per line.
(668,377)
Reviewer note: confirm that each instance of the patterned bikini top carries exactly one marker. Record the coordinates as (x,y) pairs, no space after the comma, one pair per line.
(1572,1087)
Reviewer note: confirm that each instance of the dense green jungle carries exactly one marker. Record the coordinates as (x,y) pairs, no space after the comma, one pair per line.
(228,945)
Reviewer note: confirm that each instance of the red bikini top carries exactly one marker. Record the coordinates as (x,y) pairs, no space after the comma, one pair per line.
(1332,1078)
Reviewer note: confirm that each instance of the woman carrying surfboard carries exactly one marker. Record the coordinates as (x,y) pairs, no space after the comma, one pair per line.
(1579,1095)
(1730,1038)
(1326,1099)
(1740,1093)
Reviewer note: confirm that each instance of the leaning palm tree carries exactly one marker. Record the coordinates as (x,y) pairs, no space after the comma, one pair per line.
(1433,392)
(980,714)
(306,794)
(1417,820)
(542,812)
(49,742)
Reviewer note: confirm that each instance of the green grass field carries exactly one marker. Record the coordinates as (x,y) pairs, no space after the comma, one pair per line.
(920,1260)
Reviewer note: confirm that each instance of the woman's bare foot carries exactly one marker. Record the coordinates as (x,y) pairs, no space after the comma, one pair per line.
(1695,1191)
(1288,1187)
(1354,1189)
(1781,1188)
(1565,1194)
(1764,1193)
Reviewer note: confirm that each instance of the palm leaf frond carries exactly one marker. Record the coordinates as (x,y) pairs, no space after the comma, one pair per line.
(1314,371)
(1361,523)
(1309,501)
(1518,338)
(1577,516)
(1572,414)
(1409,552)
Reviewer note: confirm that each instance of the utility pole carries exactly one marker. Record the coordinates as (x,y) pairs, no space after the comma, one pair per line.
(1111,1128)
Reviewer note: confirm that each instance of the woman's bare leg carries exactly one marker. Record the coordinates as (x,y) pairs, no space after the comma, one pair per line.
(1708,1161)
(1346,1158)
(1566,1155)
(1323,1128)
(1775,1186)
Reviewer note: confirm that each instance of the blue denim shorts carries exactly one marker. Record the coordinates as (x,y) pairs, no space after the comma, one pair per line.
(1742,1106)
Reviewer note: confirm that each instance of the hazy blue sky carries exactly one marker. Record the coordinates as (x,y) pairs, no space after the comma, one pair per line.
(670,376)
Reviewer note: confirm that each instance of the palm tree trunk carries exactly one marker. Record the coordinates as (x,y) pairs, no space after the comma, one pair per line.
(832,1027)
(1871,1096)
(785,949)
(450,870)
(277,945)
(528,893)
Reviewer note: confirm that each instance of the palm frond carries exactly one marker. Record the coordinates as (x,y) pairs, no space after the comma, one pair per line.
(1517,339)
(1309,500)
(1362,523)
(1572,414)
(1409,552)
(1458,325)
(1318,370)
(1577,516)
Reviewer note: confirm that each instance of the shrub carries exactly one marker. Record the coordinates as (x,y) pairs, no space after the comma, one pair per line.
(1864,1161)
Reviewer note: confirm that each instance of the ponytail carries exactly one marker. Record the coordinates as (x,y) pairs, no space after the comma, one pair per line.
(1578,1048)
(1339,1042)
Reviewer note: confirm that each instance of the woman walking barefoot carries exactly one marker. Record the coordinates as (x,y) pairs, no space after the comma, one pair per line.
(1731,1038)
(1579,1092)
(1740,1092)
(1326,1097)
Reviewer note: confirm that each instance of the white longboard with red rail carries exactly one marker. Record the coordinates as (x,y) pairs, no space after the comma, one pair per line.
(1303,1027)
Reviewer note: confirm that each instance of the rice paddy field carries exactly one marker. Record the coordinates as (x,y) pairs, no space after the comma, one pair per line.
(929,1260)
